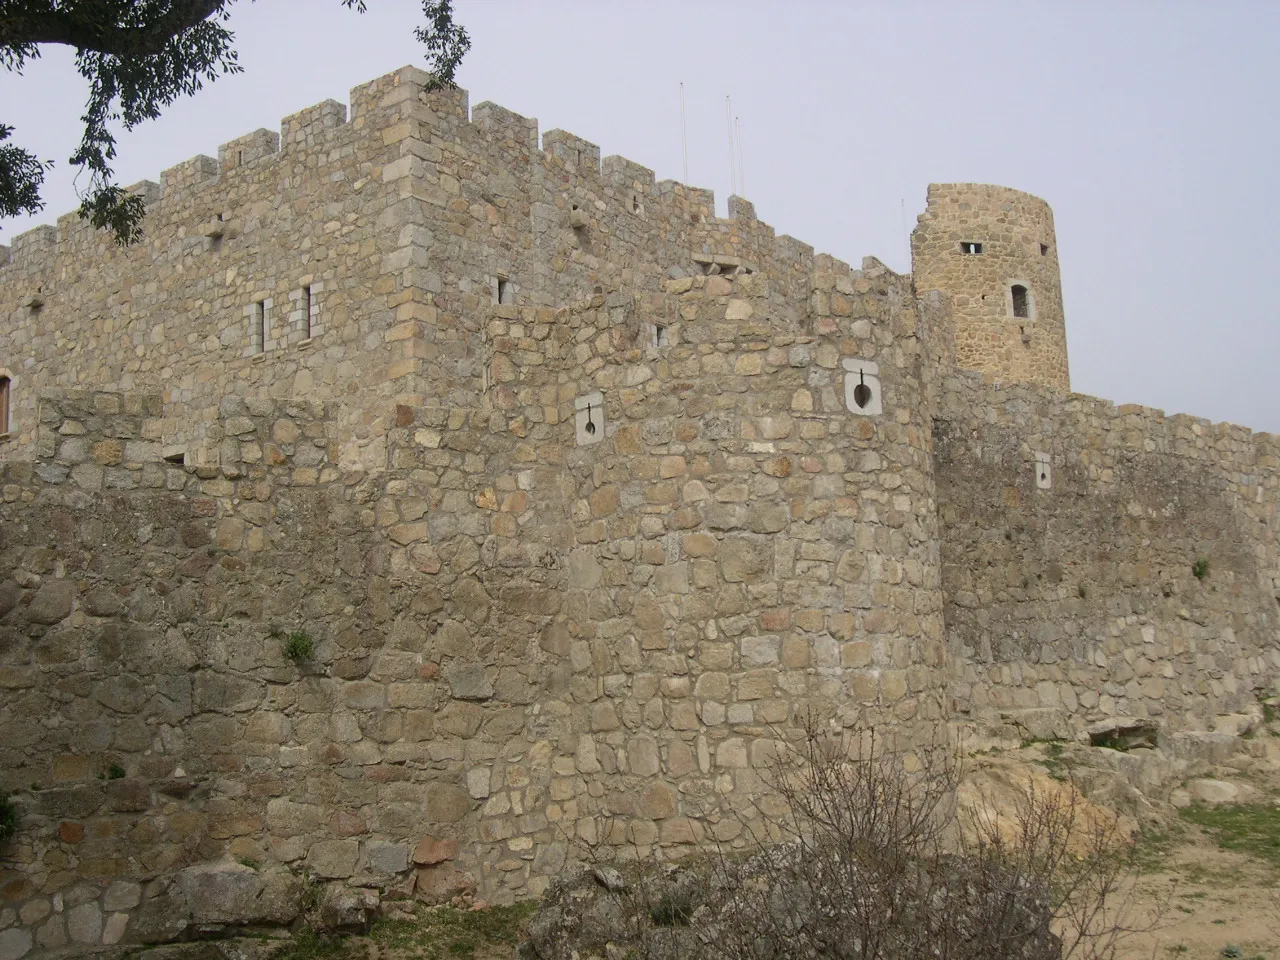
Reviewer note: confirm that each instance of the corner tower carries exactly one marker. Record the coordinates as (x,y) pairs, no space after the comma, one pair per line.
(992,251)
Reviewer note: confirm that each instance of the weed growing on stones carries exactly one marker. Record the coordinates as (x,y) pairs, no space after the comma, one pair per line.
(299,646)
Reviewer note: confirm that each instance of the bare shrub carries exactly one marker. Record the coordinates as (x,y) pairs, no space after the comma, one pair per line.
(872,861)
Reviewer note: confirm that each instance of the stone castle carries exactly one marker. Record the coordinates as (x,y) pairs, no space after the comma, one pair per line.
(584,497)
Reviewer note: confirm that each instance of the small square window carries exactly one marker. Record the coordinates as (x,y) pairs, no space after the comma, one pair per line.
(970,246)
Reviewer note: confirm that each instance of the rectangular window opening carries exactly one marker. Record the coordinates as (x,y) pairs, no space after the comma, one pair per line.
(970,246)
(660,338)
(306,312)
(1021,306)
(4,405)
(258,329)
(1044,249)
(506,292)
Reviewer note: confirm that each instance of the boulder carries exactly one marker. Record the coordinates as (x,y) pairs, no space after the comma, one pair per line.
(232,894)
(343,909)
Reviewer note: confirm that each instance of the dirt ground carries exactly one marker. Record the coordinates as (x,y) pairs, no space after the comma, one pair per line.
(1213,903)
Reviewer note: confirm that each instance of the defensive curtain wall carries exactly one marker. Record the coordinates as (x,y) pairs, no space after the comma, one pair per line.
(585,496)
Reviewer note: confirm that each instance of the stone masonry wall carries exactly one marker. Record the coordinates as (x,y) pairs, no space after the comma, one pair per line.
(1080,603)
(1018,246)
(313,207)
(523,645)
(581,511)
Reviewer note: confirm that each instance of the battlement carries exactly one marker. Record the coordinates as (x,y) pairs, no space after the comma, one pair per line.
(383,111)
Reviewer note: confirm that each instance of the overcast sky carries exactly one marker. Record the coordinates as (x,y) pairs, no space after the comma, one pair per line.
(1151,128)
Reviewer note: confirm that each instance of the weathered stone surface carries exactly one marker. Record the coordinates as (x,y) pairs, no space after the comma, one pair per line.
(347,910)
(232,893)
(121,895)
(1213,791)
(469,681)
(84,923)
(431,851)
(52,602)
(15,943)
(334,858)
(745,559)
(442,883)
(386,858)
(447,803)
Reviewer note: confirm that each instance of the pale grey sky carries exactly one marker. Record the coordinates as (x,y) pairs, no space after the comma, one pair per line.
(1151,127)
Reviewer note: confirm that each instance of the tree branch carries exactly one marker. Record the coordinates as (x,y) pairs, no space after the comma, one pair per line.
(41,22)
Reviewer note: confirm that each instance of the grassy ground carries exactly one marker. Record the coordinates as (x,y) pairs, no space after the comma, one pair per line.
(440,933)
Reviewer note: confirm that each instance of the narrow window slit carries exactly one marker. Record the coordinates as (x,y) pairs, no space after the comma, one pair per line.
(1020,301)
(258,329)
(306,312)
(970,246)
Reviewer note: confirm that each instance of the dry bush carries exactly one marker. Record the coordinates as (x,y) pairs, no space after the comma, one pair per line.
(874,863)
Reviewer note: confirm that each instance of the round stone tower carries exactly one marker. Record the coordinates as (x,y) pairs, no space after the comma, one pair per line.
(992,251)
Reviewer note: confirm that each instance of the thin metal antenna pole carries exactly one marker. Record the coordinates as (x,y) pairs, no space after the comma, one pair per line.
(728,119)
(742,169)
(684,135)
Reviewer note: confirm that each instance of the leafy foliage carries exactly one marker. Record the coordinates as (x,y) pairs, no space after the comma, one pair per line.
(139,56)
(299,646)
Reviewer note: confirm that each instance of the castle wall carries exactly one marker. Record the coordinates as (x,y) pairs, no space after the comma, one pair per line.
(400,221)
(524,645)
(318,206)
(1079,603)
(581,507)
(1018,247)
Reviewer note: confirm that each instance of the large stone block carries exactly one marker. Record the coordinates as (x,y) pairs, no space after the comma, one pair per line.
(745,559)
(52,602)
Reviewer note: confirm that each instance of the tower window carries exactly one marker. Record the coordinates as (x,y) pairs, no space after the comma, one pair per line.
(258,327)
(306,312)
(504,291)
(1044,249)
(1021,304)
(4,406)
(970,246)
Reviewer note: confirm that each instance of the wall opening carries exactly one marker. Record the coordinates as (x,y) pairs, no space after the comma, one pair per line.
(862,392)
(1044,249)
(505,291)
(306,312)
(1021,301)
(258,327)
(660,338)
(4,406)
(970,246)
